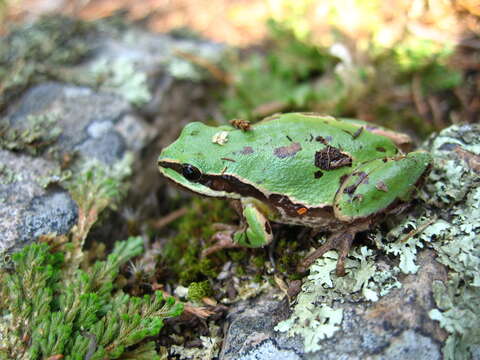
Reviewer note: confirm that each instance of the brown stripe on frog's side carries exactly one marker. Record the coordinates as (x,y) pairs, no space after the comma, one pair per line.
(232,184)
(283,152)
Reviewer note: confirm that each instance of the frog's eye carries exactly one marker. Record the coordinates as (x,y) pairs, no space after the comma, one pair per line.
(191,173)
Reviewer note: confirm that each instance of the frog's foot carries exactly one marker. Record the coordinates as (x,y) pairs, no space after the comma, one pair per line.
(223,240)
(340,241)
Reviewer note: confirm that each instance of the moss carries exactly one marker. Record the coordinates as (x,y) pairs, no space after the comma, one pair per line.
(258,261)
(238,255)
(182,254)
(198,290)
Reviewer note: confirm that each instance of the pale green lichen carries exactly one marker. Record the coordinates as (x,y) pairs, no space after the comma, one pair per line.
(448,222)
(120,77)
(210,348)
(7,175)
(32,136)
(366,280)
(454,187)
(313,322)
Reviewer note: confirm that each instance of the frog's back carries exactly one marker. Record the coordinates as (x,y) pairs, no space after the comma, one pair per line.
(304,157)
(300,156)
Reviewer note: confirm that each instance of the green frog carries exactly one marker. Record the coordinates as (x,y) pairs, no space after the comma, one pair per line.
(333,175)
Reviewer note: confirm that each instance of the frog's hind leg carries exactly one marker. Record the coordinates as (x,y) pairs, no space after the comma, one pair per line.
(340,241)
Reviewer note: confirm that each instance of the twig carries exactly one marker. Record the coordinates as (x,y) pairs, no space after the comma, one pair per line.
(419,229)
(216,72)
(164,221)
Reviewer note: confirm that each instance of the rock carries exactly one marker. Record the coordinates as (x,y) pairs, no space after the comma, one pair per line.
(27,209)
(251,334)
(421,303)
(137,68)
(88,122)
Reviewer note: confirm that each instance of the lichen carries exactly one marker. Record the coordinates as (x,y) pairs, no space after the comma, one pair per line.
(452,198)
(366,280)
(33,135)
(209,350)
(34,52)
(313,322)
(121,77)
(7,175)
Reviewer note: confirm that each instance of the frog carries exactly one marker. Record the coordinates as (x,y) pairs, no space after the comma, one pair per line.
(338,176)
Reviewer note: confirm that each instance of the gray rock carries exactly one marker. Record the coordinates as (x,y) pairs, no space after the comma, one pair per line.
(251,334)
(392,328)
(54,212)
(102,124)
(93,126)
(87,119)
(27,209)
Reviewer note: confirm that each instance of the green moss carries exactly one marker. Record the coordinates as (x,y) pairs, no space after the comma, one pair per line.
(198,290)
(182,253)
(281,79)
(258,261)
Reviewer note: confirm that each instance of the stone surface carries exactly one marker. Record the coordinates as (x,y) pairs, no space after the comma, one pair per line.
(88,121)
(27,209)
(139,68)
(395,327)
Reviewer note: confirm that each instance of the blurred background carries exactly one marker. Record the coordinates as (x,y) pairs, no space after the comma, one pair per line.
(407,64)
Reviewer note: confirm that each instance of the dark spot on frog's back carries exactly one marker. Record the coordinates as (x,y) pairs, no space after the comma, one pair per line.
(330,158)
(247,150)
(380,149)
(318,174)
(287,151)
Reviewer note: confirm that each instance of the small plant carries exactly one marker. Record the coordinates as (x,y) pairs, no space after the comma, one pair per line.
(56,304)
(48,313)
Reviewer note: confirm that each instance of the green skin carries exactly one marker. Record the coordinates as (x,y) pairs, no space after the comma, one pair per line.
(336,175)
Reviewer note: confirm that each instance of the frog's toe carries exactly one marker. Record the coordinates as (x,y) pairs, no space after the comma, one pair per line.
(223,240)
(341,241)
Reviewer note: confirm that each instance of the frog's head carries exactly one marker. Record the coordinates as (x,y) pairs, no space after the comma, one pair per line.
(194,162)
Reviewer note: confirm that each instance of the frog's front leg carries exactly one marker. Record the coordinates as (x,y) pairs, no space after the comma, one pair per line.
(255,231)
